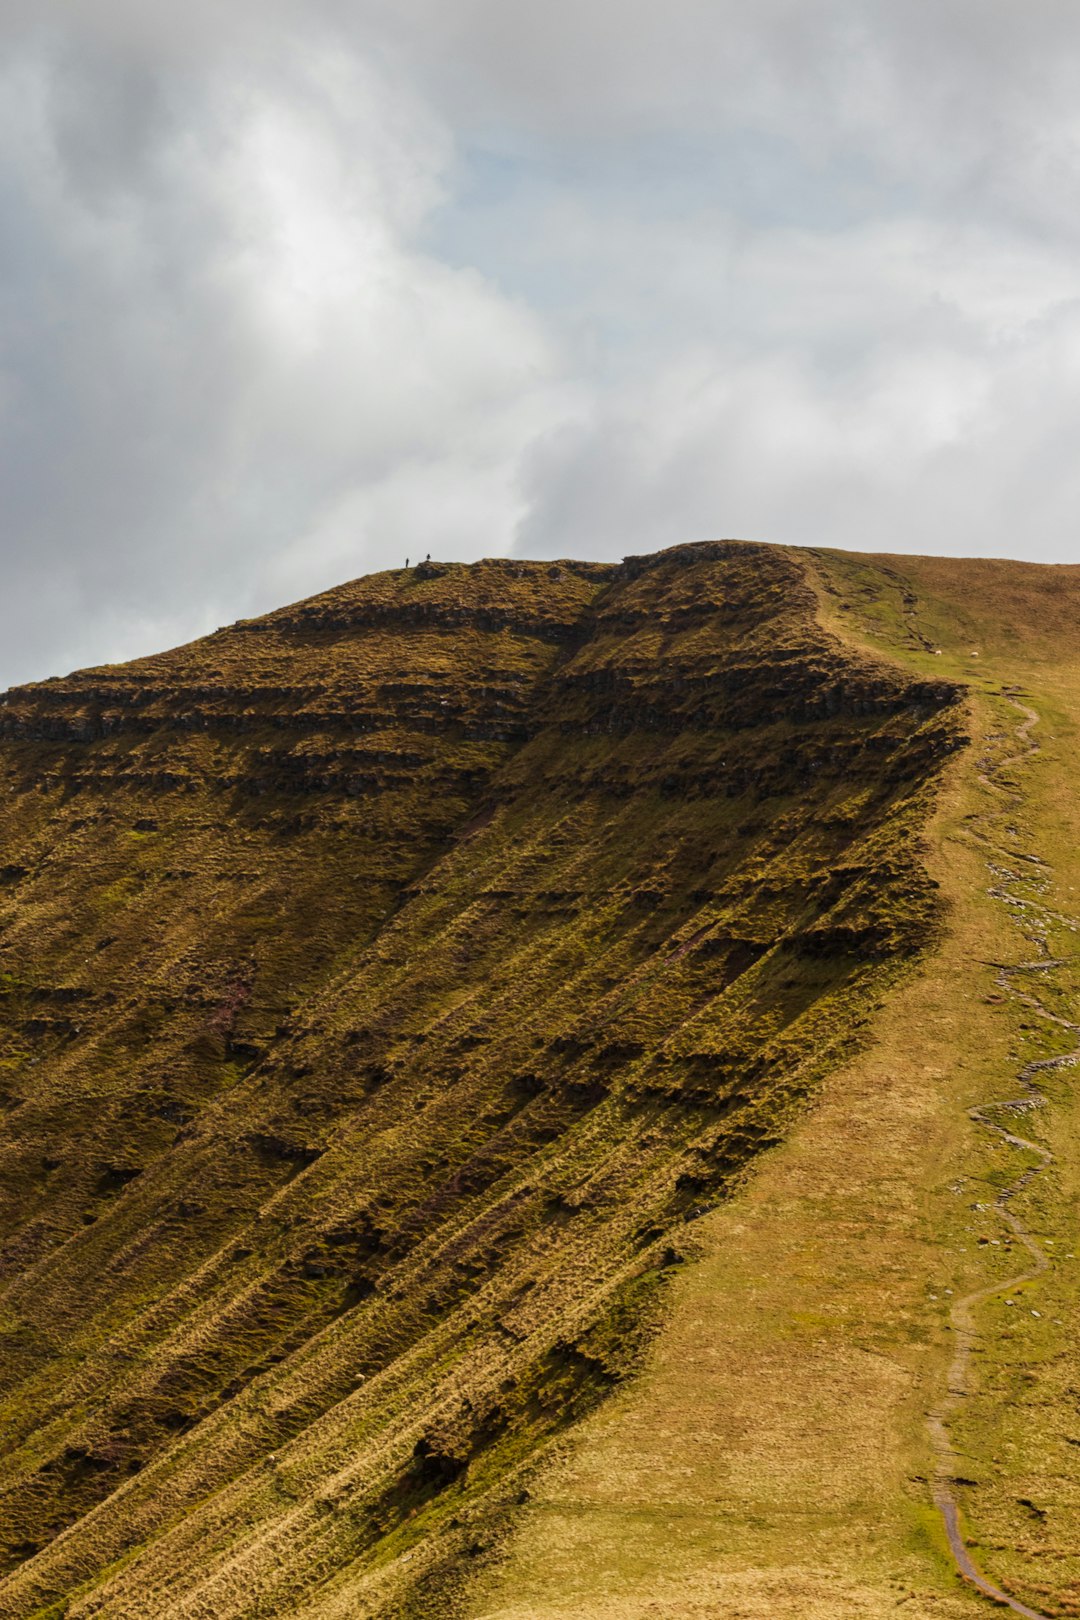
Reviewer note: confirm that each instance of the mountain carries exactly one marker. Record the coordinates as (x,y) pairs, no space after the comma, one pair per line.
(509,1085)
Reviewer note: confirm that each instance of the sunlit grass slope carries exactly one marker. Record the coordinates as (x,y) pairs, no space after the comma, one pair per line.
(389,989)
(773,1458)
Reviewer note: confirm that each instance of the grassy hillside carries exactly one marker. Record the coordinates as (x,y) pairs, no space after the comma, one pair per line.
(389,988)
(777,1455)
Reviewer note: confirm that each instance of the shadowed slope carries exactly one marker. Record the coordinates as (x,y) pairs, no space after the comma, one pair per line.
(386,982)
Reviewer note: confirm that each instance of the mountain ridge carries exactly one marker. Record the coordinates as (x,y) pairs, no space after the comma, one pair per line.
(386,983)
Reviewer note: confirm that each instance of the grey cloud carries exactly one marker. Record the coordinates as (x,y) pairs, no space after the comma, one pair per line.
(219,348)
(289,291)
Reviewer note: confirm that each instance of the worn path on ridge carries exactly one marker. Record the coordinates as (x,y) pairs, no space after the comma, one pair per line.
(962,1315)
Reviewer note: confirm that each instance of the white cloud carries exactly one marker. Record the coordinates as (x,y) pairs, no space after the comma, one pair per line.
(289,292)
(225,361)
(896,388)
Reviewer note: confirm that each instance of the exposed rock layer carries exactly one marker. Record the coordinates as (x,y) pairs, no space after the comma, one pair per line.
(384,985)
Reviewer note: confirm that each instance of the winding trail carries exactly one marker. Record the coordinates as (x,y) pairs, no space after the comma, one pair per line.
(1033,919)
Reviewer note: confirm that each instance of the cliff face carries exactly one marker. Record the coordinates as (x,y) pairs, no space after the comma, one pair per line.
(385,987)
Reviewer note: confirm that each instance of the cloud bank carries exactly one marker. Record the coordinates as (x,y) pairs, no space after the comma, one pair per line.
(290,293)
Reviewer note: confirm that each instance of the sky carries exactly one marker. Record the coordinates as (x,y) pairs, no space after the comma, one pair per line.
(291,292)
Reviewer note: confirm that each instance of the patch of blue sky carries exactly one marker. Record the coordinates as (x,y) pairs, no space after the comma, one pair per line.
(503,188)
(633,248)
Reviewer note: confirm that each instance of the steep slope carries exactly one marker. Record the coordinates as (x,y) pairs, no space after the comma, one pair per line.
(880,1329)
(386,984)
